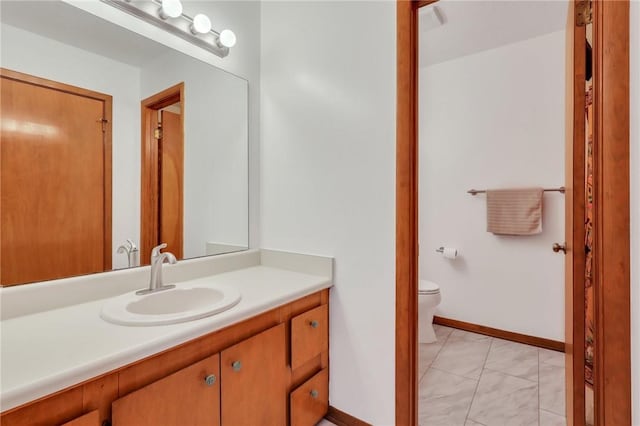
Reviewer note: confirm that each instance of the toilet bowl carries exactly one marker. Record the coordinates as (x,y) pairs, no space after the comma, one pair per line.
(428,299)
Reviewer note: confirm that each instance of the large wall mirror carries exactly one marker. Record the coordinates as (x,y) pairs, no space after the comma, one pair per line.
(112,143)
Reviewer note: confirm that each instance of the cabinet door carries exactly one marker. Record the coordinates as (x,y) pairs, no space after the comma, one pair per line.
(254,375)
(190,396)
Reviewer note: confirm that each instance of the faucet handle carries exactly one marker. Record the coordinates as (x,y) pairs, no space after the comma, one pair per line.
(155,252)
(132,245)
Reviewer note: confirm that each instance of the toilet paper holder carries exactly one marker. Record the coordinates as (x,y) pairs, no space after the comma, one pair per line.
(449,253)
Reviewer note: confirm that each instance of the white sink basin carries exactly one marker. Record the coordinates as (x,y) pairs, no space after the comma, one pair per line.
(179,304)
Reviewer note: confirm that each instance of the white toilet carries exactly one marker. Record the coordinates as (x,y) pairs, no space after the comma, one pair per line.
(428,299)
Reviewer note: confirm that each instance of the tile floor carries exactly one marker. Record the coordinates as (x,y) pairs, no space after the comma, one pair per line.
(468,379)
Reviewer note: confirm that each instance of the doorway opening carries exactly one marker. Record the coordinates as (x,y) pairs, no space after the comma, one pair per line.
(612,397)
(162,192)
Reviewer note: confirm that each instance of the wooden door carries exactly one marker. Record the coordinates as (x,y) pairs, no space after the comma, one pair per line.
(55,180)
(254,377)
(574,221)
(171,178)
(183,398)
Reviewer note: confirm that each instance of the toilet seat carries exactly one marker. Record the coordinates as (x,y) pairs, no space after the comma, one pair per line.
(428,287)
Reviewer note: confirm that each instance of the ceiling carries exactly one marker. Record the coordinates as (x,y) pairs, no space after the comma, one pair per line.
(67,24)
(471,26)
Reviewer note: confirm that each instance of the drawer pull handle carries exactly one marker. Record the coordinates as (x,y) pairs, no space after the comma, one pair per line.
(236,365)
(210,379)
(314,393)
(313,324)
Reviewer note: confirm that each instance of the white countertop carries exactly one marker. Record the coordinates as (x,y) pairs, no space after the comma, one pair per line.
(48,351)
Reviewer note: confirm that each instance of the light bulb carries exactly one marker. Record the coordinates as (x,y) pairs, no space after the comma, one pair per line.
(227,38)
(170,9)
(201,24)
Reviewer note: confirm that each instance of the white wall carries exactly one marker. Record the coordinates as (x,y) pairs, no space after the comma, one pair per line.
(215,149)
(32,54)
(494,119)
(635,208)
(328,176)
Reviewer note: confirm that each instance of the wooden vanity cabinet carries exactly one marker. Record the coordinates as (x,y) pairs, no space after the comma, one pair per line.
(271,369)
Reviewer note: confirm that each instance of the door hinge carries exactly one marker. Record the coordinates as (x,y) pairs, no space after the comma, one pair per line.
(157,132)
(584,13)
(103,122)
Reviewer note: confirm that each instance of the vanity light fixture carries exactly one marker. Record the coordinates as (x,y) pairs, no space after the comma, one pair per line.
(167,14)
(201,24)
(227,38)
(170,9)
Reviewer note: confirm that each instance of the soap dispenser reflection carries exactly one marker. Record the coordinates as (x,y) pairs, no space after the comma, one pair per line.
(133,254)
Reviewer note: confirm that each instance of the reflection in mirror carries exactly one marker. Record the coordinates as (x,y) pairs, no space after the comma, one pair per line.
(83,189)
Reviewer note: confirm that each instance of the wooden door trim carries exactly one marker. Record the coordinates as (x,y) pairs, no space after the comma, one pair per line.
(575,211)
(612,253)
(406,401)
(51,84)
(149,190)
(612,359)
(340,418)
(107,101)
(541,342)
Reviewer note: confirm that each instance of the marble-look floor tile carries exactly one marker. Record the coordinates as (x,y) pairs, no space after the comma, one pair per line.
(551,419)
(444,399)
(324,422)
(463,357)
(442,332)
(552,383)
(466,335)
(427,353)
(513,358)
(504,400)
(472,423)
(551,357)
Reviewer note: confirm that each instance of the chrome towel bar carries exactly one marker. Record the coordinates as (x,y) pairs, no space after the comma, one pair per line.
(482,191)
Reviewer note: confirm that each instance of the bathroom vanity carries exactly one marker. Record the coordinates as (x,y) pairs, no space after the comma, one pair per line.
(263,361)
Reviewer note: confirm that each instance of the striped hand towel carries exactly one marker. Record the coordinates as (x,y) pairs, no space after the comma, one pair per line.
(514,211)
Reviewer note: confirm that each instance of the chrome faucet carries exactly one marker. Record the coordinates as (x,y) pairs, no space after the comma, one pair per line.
(157,259)
(132,252)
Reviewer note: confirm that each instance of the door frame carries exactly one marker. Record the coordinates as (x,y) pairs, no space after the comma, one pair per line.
(107,112)
(611,221)
(612,366)
(149,188)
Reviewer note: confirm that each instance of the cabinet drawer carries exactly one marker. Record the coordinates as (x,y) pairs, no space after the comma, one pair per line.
(309,335)
(310,401)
